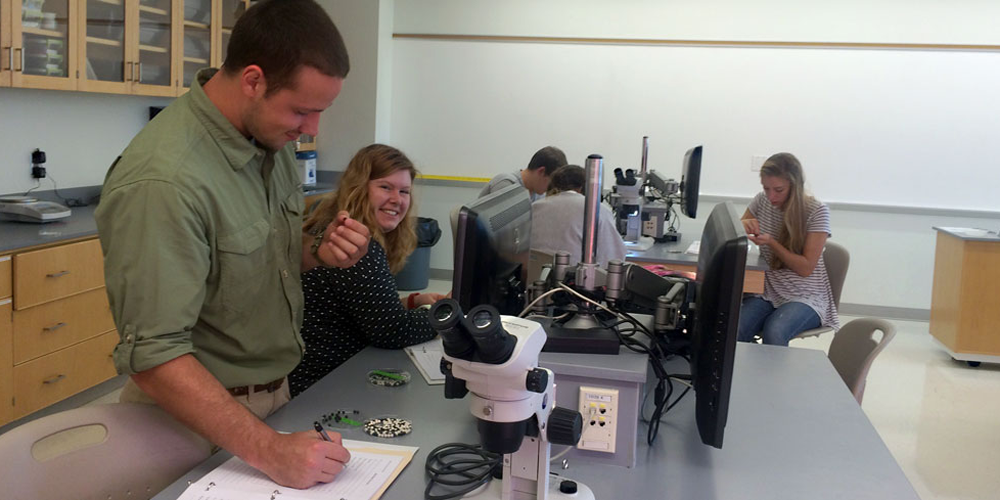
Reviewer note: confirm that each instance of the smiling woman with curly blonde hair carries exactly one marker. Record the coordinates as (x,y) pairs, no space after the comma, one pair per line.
(350,309)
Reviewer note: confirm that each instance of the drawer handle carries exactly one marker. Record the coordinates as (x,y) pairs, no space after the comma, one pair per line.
(56,275)
(54,379)
(54,327)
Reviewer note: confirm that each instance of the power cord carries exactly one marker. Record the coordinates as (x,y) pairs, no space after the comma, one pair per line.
(70,202)
(465,467)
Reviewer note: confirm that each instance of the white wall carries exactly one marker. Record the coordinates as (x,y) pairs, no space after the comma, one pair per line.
(908,128)
(883,21)
(871,126)
(353,121)
(81,134)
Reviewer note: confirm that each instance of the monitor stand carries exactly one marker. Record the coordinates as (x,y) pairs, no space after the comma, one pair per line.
(580,335)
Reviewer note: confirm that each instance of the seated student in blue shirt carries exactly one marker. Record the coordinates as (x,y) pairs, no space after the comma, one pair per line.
(535,178)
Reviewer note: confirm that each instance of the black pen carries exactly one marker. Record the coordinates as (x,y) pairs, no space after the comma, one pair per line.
(322,432)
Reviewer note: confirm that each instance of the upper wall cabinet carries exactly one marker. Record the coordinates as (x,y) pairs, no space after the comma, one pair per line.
(127,46)
(206,29)
(6,50)
(145,47)
(43,38)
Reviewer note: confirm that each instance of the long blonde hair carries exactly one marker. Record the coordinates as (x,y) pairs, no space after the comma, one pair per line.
(793,232)
(370,163)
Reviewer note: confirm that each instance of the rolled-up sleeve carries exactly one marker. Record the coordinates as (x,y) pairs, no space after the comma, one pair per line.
(156,261)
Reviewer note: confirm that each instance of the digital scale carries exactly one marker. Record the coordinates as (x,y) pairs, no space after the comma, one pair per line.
(28,209)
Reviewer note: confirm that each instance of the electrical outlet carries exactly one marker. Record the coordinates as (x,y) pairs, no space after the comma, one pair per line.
(599,407)
(757,161)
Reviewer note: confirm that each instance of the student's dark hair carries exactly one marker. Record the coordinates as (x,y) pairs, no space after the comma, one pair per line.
(280,36)
(567,178)
(550,158)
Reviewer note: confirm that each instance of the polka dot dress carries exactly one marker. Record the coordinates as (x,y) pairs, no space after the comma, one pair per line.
(350,309)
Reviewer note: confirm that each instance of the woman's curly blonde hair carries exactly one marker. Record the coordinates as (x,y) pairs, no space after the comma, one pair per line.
(370,163)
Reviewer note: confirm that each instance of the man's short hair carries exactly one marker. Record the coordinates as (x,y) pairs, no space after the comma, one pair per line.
(280,36)
(550,158)
(567,178)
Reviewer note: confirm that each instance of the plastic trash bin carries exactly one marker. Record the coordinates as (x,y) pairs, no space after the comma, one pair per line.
(414,275)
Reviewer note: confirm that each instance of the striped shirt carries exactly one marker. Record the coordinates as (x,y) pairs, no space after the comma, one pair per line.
(782,286)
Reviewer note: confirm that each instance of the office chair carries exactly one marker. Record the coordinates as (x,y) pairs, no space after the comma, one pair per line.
(121,450)
(837,260)
(854,348)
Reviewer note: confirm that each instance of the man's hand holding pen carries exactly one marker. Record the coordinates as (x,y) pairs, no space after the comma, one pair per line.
(303,459)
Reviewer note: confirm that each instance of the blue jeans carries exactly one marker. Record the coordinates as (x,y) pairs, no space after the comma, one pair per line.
(775,326)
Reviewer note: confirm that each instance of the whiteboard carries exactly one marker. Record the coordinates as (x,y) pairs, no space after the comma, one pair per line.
(889,127)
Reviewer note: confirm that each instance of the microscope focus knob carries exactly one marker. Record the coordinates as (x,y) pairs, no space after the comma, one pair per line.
(565,426)
(537,380)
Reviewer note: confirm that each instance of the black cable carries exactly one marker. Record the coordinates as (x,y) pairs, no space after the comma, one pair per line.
(70,202)
(38,184)
(470,465)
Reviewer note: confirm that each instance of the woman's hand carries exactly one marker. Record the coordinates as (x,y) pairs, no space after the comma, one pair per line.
(761,239)
(752,227)
(426,299)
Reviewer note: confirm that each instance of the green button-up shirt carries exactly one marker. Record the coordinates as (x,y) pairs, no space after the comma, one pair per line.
(201,231)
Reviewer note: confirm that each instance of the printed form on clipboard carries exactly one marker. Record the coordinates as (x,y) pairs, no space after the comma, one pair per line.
(427,358)
(373,467)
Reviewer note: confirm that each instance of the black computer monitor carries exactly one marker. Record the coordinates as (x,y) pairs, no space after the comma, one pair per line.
(689,181)
(492,246)
(721,264)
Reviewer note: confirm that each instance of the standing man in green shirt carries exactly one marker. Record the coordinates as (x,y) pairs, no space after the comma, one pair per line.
(201,225)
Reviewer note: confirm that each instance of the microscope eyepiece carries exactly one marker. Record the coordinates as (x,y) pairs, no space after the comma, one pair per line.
(495,345)
(446,318)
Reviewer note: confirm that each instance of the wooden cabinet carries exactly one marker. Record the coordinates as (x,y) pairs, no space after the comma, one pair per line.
(43,38)
(206,28)
(6,47)
(144,47)
(6,343)
(966,289)
(127,46)
(44,275)
(56,329)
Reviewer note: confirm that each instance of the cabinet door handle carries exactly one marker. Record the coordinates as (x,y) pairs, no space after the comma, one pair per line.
(19,59)
(54,379)
(139,80)
(56,275)
(54,327)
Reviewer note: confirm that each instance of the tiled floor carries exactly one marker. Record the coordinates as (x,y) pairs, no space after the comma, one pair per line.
(938,417)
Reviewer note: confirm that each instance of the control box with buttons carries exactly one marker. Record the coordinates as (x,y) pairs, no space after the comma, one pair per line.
(599,407)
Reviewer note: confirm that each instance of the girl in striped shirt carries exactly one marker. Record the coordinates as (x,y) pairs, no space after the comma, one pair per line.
(791,228)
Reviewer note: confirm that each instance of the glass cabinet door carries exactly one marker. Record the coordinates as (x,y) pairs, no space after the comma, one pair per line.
(197,39)
(106,67)
(44,39)
(153,64)
(6,48)
(231,11)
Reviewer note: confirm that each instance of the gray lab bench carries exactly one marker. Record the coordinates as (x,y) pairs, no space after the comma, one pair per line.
(794,432)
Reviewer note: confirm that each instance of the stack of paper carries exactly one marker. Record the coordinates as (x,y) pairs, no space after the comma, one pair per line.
(373,467)
(427,358)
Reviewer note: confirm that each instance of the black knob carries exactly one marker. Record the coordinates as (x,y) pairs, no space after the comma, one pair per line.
(537,380)
(568,487)
(565,426)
